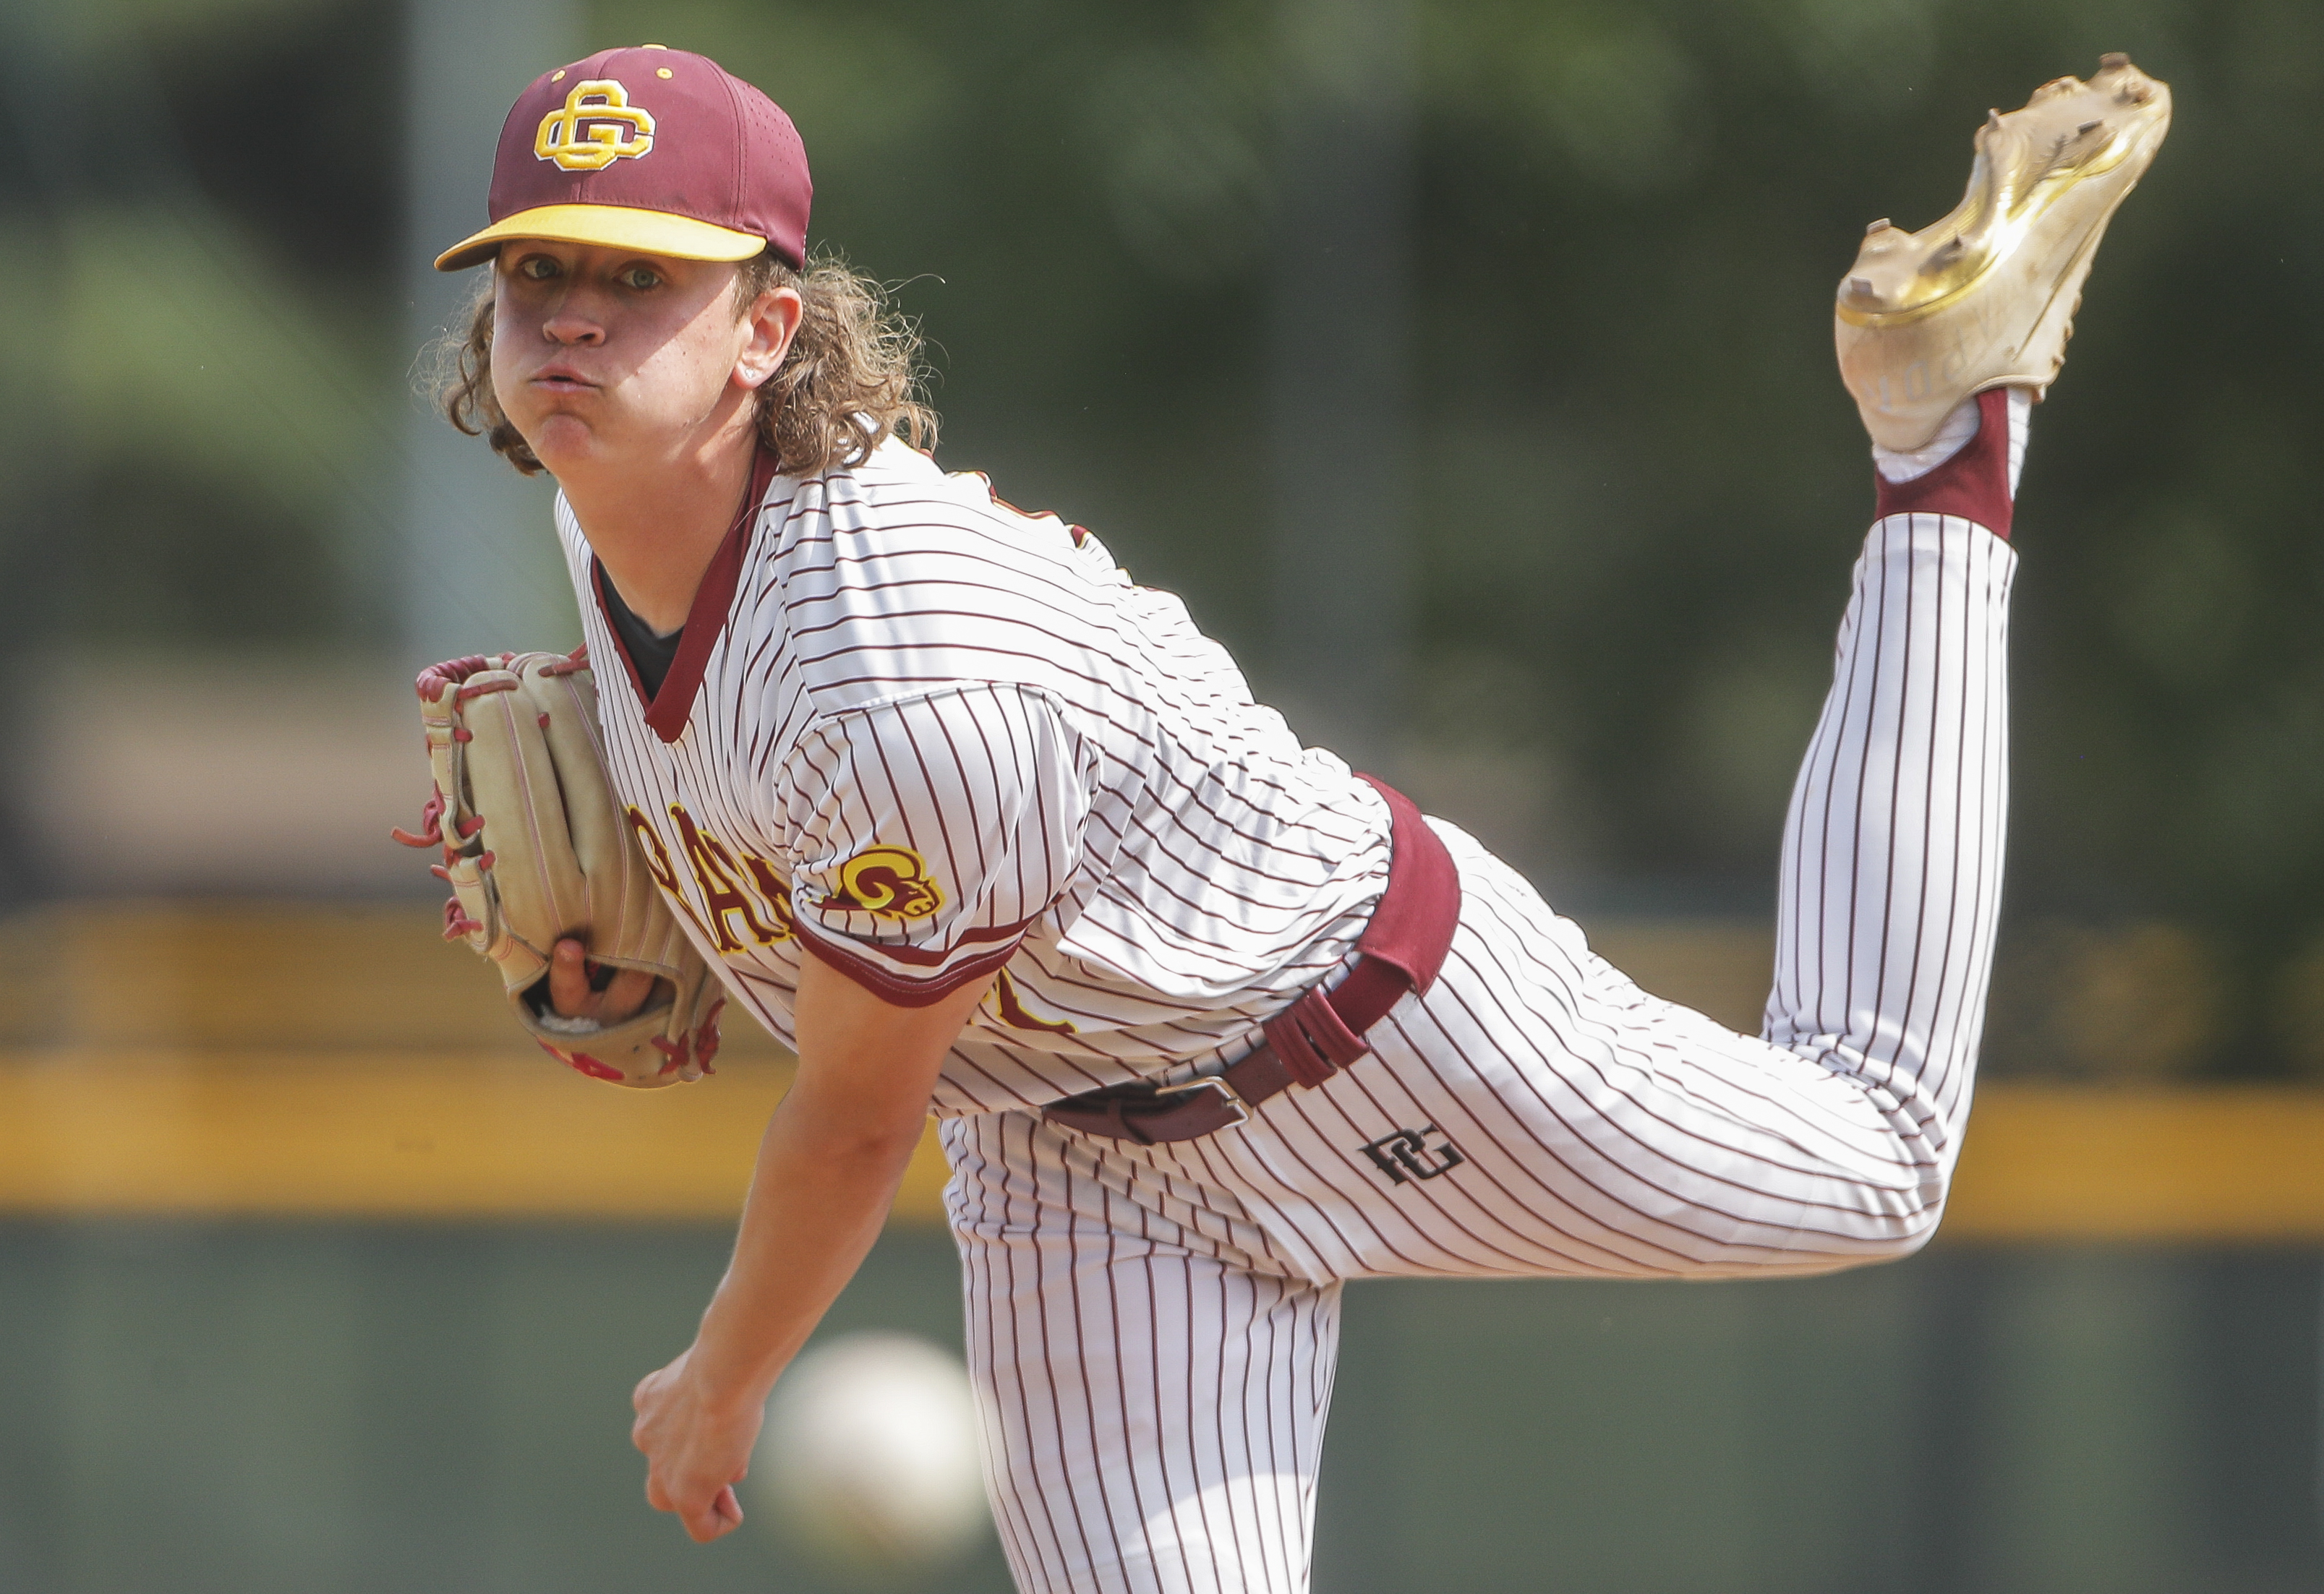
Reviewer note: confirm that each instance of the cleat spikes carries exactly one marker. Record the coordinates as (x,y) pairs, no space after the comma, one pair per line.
(1985,296)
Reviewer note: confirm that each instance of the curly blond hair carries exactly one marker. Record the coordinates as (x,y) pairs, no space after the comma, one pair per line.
(851,378)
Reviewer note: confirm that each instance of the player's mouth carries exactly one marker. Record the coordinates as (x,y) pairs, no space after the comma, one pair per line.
(562,378)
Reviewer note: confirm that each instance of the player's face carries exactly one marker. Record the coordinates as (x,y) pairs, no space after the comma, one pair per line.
(607,357)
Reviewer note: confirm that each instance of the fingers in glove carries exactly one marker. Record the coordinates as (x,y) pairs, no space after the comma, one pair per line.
(578,988)
(569,980)
(626,995)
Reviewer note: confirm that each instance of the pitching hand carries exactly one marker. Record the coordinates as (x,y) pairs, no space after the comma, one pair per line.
(696,1451)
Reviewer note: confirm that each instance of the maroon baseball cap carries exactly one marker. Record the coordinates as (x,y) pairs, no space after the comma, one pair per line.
(651,149)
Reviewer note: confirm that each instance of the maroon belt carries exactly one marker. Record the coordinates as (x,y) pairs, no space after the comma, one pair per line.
(1400,950)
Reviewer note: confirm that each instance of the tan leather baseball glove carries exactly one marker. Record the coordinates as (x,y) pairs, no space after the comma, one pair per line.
(536,849)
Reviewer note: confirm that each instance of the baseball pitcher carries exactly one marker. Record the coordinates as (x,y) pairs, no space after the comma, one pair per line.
(1212,1023)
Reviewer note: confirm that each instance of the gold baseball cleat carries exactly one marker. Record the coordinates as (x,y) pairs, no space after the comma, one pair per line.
(1986,298)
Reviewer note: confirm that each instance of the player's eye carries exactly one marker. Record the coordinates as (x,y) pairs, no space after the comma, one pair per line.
(536,268)
(639,278)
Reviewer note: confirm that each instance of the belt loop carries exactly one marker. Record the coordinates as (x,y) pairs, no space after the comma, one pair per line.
(1313,1040)
(1300,1059)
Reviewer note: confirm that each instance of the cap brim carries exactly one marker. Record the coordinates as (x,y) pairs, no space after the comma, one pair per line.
(614,226)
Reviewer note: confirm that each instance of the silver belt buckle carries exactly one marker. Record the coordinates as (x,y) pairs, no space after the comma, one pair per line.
(1217,1082)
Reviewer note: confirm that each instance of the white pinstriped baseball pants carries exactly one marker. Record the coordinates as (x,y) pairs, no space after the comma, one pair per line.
(1153,1330)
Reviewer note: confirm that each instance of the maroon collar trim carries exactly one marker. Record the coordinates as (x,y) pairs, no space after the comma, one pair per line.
(667,710)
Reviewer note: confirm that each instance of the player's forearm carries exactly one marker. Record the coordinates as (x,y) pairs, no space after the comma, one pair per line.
(834,1153)
(818,1196)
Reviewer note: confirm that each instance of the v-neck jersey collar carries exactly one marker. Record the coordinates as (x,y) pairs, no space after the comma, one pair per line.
(667,710)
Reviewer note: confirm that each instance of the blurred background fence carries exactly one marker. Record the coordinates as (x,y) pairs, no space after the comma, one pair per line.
(1466,365)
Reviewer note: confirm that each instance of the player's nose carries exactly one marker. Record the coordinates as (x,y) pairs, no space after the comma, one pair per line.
(568,325)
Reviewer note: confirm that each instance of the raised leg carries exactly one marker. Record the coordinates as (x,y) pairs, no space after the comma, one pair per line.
(1891,880)
(1536,1113)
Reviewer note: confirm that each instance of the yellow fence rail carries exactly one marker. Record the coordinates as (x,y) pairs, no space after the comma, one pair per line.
(341,1063)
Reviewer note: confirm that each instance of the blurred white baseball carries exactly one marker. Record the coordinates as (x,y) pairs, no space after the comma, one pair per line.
(870,1453)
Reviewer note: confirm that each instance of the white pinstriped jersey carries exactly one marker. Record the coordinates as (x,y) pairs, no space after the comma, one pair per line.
(936,738)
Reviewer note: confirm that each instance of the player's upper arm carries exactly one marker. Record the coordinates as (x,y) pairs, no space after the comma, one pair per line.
(928,832)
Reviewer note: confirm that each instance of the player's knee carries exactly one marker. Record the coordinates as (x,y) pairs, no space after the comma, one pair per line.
(1900,1233)
(1906,1241)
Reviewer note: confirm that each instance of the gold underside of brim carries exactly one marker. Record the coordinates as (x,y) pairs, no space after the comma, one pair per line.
(610,226)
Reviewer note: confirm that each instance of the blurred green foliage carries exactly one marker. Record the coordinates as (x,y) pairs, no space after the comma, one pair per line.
(1639,480)
(202,209)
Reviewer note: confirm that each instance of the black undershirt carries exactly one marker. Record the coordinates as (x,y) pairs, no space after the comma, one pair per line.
(649,651)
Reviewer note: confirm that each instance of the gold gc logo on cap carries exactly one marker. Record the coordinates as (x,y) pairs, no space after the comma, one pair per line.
(727,179)
(596,126)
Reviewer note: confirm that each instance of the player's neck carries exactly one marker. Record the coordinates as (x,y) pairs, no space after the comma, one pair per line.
(656,526)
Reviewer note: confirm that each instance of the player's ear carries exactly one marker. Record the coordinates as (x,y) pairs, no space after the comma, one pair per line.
(770,323)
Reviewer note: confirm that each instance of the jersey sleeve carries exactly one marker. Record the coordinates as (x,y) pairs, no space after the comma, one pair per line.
(927,834)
